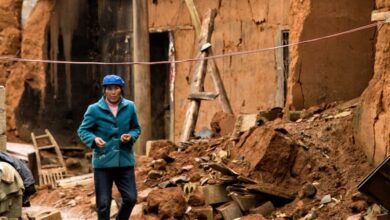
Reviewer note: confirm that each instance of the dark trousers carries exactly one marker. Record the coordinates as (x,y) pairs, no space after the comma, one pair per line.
(124,179)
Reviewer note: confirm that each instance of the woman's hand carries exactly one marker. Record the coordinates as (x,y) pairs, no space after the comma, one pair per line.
(125,138)
(100,142)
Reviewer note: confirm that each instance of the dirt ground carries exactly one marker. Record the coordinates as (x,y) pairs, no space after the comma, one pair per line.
(324,160)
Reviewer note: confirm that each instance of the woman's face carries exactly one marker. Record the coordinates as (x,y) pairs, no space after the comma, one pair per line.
(113,93)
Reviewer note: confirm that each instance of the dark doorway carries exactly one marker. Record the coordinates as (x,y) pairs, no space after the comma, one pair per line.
(159,51)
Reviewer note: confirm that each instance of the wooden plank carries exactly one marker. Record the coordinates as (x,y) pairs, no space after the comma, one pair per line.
(46,147)
(142,80)
(75,181)
(222,168)
(57,148)
(380,16)
(218,83)
(38,159)
(75,148)
(208,96)
(198,77)
(194,16)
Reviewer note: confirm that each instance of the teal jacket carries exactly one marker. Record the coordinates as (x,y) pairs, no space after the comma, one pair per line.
(100,122)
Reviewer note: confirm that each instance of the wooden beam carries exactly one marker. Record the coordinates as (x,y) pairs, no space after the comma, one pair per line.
(208,96)
(198,77)
(142,94)
(380,16)
(194,16)
(220,88)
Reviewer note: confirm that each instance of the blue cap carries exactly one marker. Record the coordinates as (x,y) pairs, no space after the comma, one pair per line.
(113,80)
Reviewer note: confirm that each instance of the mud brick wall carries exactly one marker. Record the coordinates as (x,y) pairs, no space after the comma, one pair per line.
(332,69)
(250,80)
(372,126)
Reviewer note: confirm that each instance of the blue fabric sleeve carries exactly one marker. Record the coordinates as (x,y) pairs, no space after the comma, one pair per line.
(135,128)
(85,130)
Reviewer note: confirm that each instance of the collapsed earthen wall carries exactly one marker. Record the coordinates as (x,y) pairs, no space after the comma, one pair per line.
(250,80)
(332,69)
(372,127)
(32,47)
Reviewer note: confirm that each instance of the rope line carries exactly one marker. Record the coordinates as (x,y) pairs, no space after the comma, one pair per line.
(376,24)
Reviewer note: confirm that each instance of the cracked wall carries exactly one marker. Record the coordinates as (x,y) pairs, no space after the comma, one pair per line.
(331,69)
(372,126)
(33,46)
(250,80)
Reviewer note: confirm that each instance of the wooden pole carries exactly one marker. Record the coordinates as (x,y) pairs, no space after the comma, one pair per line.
(218,83)
(198,77)
(142,92)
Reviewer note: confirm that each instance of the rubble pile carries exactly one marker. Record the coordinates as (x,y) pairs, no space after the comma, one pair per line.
(305,165)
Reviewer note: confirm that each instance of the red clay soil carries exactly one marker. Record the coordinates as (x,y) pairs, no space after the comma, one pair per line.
(324,160)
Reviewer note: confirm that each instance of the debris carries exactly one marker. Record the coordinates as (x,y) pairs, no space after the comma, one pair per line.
(203,133)
(326,199)
(343,114)
(205,213)
(222,124)
(272,191)
(215,194)
(377,184)
(155,174)
(355,217)
(179,179)
(248,201)
(46,214)
(142,195)
(71,182)
(359,206)
(230,210)
(223,169)
(72,203)
(294,115)
(159,164)
(51,172)
(138,211)
(172,204)
(274,157)
(187,168)
(243,123)
(265,209)
(308,191)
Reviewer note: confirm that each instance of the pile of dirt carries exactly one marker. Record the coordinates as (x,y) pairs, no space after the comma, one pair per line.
(309,168)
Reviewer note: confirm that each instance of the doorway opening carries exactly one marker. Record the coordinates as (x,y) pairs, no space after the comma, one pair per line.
(160,109)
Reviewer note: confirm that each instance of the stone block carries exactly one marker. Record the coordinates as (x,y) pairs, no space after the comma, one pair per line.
(247,202)
(204,212)
(215,194)
(48,214)
(264,210)
(230,210)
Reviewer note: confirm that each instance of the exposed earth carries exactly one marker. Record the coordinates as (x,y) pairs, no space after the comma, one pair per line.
(303,160)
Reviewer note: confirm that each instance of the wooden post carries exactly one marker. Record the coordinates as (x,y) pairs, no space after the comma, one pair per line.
(142,92)
(172,77)
(198,77)
(226,107)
